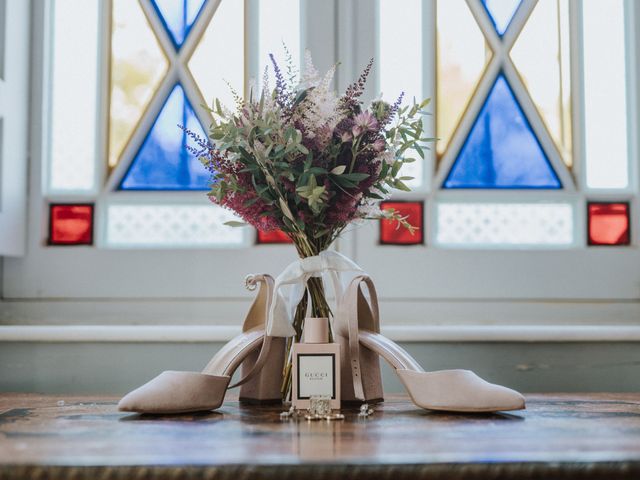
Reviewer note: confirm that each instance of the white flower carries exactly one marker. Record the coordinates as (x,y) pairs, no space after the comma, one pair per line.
(380,193)
(259,150)
(253,86)
(318,111)
(369,210)
(266,90)
(388,157)
(310,76)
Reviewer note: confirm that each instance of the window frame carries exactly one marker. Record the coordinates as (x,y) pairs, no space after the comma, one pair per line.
(14,122)
(427,296)
(423,293)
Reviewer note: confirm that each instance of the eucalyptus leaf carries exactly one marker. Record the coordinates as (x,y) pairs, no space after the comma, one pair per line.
(317,171)
(250,202)
(401,186)
(355,176)
(342,182)
(235,223)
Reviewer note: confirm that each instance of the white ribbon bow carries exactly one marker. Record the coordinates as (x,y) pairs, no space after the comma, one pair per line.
(291,283)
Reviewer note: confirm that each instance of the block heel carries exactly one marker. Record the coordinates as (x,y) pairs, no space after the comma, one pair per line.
(369,372)
(264,388)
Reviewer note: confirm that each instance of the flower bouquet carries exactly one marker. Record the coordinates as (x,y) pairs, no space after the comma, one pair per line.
(302,159)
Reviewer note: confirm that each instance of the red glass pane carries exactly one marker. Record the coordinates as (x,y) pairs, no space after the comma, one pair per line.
(71,225)
(394,234)
(274,236)
(608,223)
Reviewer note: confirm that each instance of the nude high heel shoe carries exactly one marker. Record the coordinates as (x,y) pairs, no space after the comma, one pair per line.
(447,390)
(261,355)
(358,362)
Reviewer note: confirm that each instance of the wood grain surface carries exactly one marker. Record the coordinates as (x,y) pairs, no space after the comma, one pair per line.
(594,436)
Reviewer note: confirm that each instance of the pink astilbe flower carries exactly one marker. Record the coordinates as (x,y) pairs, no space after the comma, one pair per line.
(344,208)
(389,157)
(379,145)
(250,208)
(364,122)
(346,137)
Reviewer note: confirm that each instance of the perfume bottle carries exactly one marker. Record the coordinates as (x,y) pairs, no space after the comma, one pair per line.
(316,365)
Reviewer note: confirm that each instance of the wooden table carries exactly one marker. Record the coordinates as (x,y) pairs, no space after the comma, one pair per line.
(595,436)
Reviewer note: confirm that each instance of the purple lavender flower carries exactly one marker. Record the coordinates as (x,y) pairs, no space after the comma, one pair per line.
(282,96)
(393,110)
(204,144)
(350,101)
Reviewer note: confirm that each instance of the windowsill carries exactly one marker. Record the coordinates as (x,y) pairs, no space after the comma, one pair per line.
(407,334)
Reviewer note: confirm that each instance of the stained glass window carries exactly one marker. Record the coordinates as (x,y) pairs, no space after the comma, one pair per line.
(178,16)
(137,67)
(503,108)
(391,233)
(546,72)
(163,163)
(608,223)
(502,150)
(224,40)
(605,91)
(501,12)
(74,96)
(462,56)
(397,28)
(401,26)
(71,224)
(275,236)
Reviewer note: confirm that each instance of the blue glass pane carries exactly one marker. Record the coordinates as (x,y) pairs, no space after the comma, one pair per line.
(162,163)
(501,150)
(178,17)
(501,12)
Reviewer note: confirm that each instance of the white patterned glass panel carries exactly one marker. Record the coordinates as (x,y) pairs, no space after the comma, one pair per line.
(74,83)
(169,226)
(605,96)
(504,224)
(399,61)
